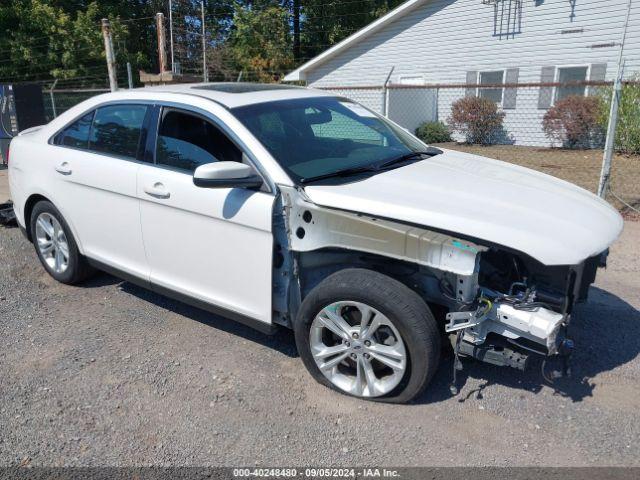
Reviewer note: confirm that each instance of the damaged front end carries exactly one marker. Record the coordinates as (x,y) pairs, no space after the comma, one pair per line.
(503,306)
(519,309)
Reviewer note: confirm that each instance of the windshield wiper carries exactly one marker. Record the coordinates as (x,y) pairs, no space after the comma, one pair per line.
(430,152)
(341,173)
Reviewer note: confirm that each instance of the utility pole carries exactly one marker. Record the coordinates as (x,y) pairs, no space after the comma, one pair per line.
(171,34)
(111,57)
(162,49)
(605,174)
(205,71)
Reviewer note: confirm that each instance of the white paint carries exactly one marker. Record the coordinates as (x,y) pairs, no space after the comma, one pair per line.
(339,229)
(216,245)
(549,219)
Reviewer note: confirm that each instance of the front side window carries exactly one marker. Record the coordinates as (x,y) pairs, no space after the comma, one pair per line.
(491,78)
(186,141)
(76,135)
(311,137)
(571,75)
(116,130)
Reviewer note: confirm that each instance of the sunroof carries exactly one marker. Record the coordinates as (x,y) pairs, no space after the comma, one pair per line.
(243,87)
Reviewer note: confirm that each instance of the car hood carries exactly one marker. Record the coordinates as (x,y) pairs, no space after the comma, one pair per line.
(553,221)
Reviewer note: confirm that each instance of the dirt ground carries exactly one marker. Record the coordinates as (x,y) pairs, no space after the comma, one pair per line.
(108,374)
(581,167)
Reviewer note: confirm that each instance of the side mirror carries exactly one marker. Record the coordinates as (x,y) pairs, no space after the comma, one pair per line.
(226,175)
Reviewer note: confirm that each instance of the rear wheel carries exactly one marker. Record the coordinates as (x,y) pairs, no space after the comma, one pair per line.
(367,335)
(55,245)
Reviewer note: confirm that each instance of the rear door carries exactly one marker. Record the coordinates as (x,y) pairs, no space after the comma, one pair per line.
(214,245)
(96,166)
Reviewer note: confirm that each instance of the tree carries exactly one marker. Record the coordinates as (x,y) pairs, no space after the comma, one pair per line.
(47,42)
(46,39)
(261,41)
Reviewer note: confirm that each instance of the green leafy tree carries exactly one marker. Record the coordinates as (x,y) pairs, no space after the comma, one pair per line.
(47,42)
(627,138)
(261,41)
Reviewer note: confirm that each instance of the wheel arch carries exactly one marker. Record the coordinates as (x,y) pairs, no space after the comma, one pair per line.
(317,265)
(31,202)
(28,209)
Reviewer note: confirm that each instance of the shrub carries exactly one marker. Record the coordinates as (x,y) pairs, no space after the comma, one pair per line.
(478,119)
(628,129)
(433,132)
(575,121)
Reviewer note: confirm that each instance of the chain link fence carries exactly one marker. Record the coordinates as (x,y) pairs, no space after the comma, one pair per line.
(556,128)
(59,101)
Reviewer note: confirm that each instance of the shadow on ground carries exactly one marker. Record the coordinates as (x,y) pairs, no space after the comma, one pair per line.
(282,341)
(605,330)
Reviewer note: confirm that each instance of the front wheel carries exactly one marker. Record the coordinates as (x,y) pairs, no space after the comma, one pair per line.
(367,335)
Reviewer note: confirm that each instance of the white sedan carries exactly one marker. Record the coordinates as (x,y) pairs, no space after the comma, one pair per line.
(284,206)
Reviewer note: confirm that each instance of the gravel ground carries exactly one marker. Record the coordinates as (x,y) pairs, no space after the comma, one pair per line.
(109,374)
(4,186)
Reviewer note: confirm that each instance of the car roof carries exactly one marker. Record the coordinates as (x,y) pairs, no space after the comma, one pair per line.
(238,94)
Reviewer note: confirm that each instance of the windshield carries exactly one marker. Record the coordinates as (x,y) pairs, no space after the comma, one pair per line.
(313,137)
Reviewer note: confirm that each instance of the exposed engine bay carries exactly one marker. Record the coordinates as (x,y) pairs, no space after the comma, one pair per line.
(503,306)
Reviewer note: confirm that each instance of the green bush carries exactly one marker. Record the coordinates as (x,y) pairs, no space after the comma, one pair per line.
(433,132)
(628,129)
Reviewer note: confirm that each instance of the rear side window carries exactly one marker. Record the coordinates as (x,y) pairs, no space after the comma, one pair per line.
(186,141)
(116,130)
(76,135)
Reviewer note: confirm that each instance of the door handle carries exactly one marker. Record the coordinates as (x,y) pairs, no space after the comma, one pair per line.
(63,168)
(157,190)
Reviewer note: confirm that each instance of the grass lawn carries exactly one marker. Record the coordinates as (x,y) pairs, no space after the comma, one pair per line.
(581,167)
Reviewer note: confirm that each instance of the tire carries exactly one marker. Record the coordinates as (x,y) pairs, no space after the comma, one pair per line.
(394,309)
(52,225)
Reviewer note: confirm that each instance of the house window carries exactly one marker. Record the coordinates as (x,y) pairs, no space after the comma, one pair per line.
(569,75)
(491,78)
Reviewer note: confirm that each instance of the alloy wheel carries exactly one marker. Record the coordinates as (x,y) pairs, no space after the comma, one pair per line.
(52,242)
(358,349)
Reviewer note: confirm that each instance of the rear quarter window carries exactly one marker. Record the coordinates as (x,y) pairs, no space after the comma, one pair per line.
(76,135)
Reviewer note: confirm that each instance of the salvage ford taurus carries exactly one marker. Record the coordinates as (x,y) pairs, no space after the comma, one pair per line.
(277,205)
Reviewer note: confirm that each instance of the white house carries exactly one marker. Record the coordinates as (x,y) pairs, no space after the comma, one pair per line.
(451,46)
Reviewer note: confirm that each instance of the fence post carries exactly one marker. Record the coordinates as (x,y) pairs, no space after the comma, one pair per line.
(129,76)
(111,57)
(605,174)
(385,92)
(53,100)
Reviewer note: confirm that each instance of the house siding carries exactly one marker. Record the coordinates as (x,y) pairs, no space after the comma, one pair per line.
(442,40)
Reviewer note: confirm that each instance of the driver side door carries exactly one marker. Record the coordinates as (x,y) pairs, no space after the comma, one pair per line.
(211,245)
